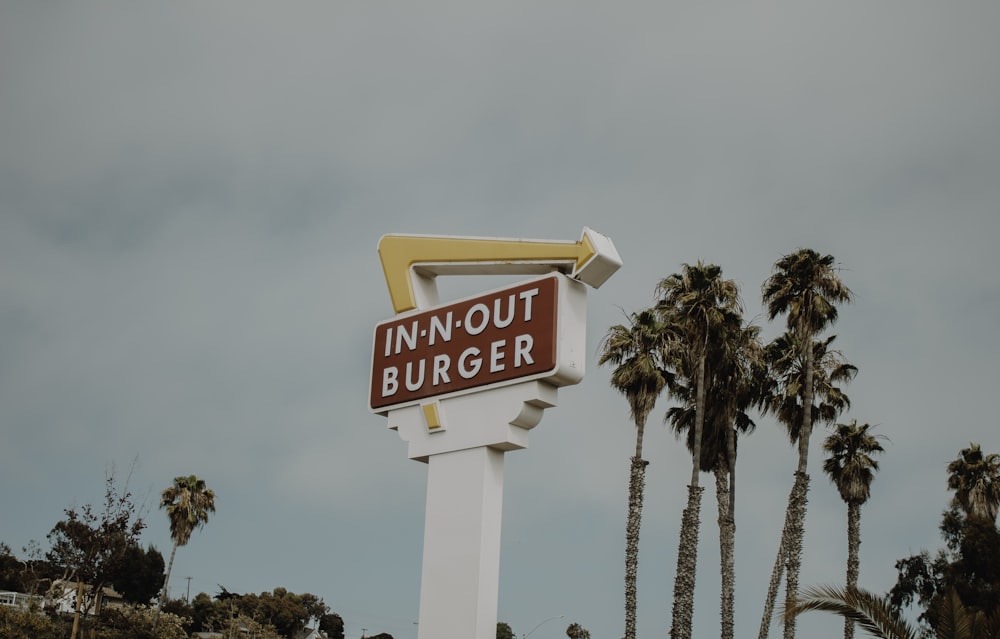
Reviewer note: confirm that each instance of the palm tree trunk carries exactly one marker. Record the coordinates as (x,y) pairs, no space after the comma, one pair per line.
(791,530)
(722,492)
(776,573)
(699,421)
(687,562)
(807,401)
(166,579)
(637,483)
(729,576)
(853,545)
(793,547)
(687,550)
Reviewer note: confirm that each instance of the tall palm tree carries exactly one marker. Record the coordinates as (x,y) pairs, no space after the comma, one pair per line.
(187,502)
(636,350)
(851,468)
(740,381)
(731,391)
(782,391)
(805,287)
(975,478)
(698,305)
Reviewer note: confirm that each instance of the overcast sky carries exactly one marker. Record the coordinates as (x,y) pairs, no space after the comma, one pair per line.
(191,194)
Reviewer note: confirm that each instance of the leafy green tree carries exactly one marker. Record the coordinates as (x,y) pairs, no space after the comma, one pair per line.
(26,624)
(333,625)
(188,503)
(10,570)
(206,613)
(141,576)
(576,631)
(852,469)
(968,566)
(90,547)
(140,622)
(504,631)
(805,287)
(636,350)
(244,626)
(287,612)
(697,307)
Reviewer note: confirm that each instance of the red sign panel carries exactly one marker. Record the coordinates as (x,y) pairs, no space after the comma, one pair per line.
(496,337)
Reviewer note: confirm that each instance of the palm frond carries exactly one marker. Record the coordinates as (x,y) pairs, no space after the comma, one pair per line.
(872,613)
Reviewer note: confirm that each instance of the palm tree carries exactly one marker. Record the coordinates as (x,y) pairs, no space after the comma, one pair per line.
(851,468)
(975,478)
(805,287)
(636,351)
(699,306)
(881,619)
(739,387)
(781,393)
(188,503)
(731,391)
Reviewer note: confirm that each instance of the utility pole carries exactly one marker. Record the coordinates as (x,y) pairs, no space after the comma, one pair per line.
(187,599)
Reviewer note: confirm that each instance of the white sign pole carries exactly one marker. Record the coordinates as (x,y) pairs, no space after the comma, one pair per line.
(461,570)
(465,456)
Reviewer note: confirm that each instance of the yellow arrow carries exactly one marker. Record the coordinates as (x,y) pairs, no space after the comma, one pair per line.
(435,255)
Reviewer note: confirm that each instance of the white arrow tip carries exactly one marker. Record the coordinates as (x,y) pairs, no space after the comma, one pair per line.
(604,262)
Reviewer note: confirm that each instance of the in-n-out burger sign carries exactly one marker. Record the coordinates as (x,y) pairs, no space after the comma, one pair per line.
(516,333)
(464,382)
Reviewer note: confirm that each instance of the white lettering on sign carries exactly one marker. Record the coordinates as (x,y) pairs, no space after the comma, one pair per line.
(494,337)
(476,320)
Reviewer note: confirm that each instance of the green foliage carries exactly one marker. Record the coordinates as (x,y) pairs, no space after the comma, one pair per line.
(851,465)
(100,548)
(23,624)
(576,631)
(10,570)
(504,631)
(873,613)
(333,625)
(975,478)
(141,576)
(91,546)
(188,503)
(967,570)
(202,614)
(139,622)
(288,612)
(880,619)
(785,389)
(969,566)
